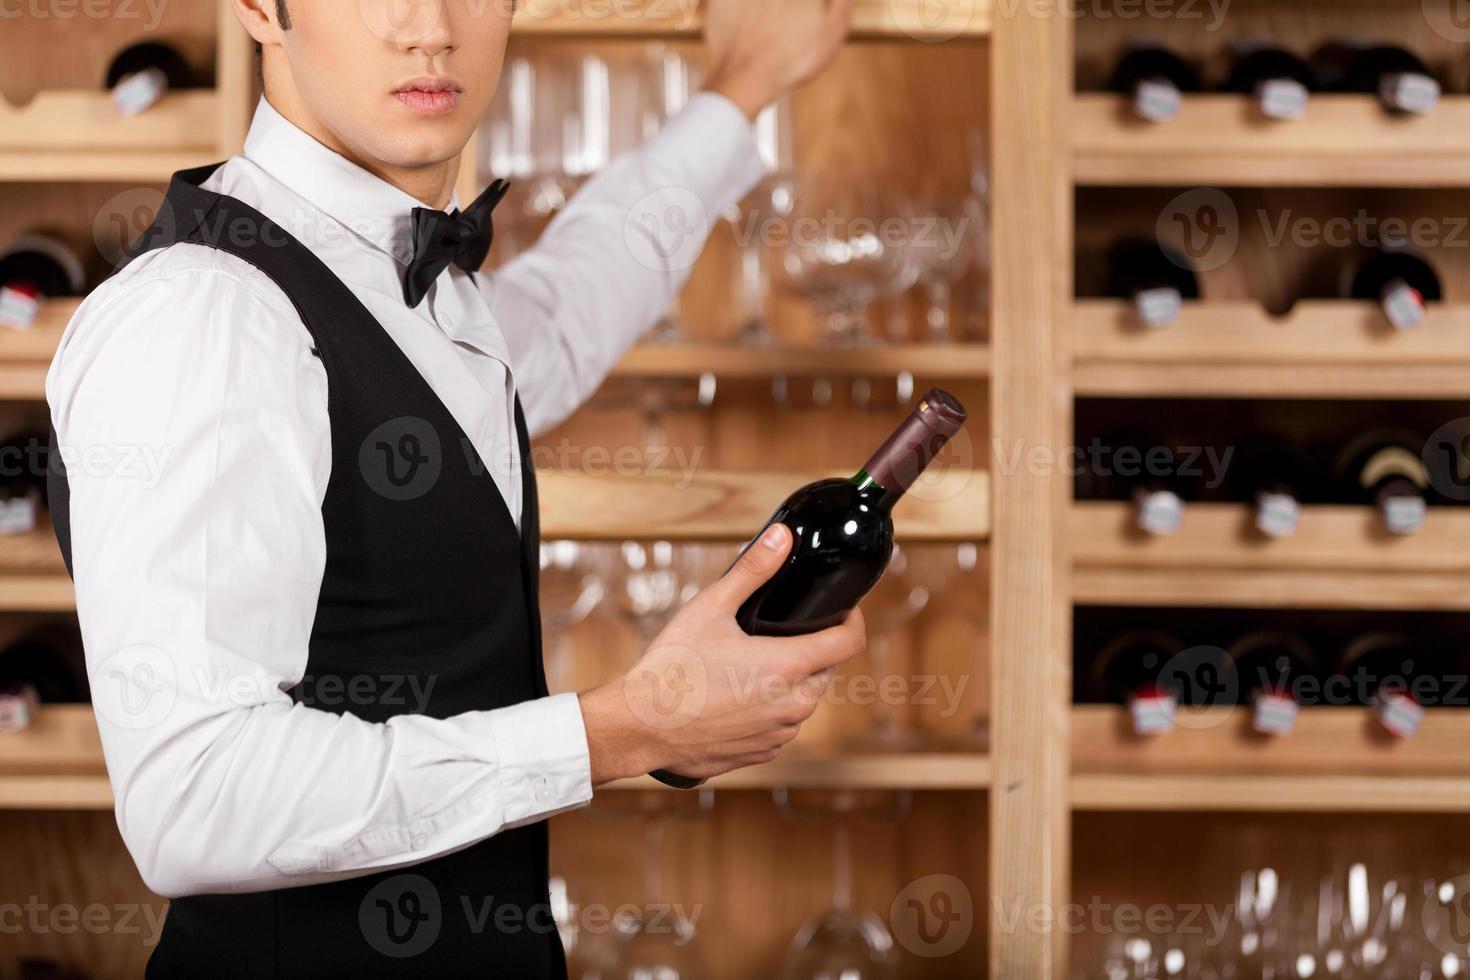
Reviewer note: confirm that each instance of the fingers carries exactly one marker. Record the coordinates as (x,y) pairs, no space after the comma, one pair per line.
(839,17)
(752,570)
(829,648)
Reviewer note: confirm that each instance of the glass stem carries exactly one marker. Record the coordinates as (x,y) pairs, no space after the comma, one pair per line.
(653,863)
(937,318)
(841,867)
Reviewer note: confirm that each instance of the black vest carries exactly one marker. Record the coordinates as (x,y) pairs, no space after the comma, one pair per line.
(428,587)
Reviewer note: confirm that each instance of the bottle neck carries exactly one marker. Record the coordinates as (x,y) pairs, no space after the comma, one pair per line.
(881,496)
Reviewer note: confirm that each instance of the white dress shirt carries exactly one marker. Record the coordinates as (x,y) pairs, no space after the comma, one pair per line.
(193,421)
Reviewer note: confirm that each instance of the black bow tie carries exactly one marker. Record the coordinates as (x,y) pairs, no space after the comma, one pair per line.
(463,238)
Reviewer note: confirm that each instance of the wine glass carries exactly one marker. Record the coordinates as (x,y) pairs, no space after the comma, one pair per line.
(656,942)
(667,82)
(765,208)
(900,595)
(653,582)
(944,249)
(977,320)
(846,247)
(570,589)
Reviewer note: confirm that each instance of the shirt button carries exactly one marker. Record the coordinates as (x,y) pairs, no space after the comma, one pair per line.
(543,790)
(419,840)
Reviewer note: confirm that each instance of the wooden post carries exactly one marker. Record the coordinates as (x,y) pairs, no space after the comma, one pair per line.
(1031,391)
(234,80)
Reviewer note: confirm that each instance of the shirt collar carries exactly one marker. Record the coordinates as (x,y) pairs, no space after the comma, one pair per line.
(362,202)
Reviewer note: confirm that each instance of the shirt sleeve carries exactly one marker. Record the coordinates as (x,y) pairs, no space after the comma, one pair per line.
(193,422)
(614,260)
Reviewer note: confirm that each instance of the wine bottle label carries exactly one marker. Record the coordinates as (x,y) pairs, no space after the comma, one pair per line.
(1398,713)
(1409,92)
(19,306)
(19,516)
(1277,514)
(1273,714)
(140,91)
(1403,305)
(18,708)
(1282,98)
(1158,307)
(1152,711)
(1404,515)
(1159,512)
(1157,100)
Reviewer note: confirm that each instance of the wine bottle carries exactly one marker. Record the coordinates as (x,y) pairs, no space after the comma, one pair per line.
(1156,79)
(1156,278)
(842,533)
(1385,671)
(142,74)
(33,269)
(1275,478)
(1268,666)
(1141,468)
(1385,469)
(1131,670)
(1401,282)
(1279,81)
(45,665)
(1397,76)
(24,457)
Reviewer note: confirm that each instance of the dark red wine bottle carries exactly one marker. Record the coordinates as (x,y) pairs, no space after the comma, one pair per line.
(1401,282)
(1386,672)
(45,665)
(1279,81)
(35,268)
(1143,469)
(1132,670)
(842,533)
(1385,469)
(1397,76)
(1156,79)
(1156,278)
(141,75)
(23,464)
(1268,668)
(1275,478)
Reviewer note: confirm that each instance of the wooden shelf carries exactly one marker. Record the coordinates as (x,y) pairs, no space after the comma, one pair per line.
(1220,140)
(25,355)
(958,361)
(915,19)
(1337,759)
(1339,558)
(1322,349)
(57,764)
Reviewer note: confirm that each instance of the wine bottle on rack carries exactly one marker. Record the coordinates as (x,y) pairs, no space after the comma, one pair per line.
(1279,81)
(842,533)
(1156,278)
(1131,670)
(1397,76)
(1268,666)
(1156,79)
(143,74)
(1275,478)
(1401,282)
(1141,468)
(1385,469)
(1384,671)
(45,665)
(24,458)
(33,269)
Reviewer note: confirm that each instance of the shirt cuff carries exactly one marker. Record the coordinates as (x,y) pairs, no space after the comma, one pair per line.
(542,756)
(720,154)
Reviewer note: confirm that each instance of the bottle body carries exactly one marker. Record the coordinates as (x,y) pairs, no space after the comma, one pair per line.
(35,268)
(1276,479)
(1157,279)
(1156,79)
(1280,82)
(1385,468)
(842,542)
(141,75)
(1268,668)
(1400,282)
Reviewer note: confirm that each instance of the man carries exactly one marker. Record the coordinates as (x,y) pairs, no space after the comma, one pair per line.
(312,628)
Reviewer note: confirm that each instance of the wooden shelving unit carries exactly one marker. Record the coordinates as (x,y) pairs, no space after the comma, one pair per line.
(913,19)
(1236,350)
(1221,141)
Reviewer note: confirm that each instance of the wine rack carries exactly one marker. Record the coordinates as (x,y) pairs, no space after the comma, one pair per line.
(673,18)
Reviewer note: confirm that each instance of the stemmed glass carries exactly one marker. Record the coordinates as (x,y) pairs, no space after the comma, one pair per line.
(667,82)
(841,943)
(570,589)
(899,597)
(944,248)
(977,323)
(652,581)
(753,219)
(846,247)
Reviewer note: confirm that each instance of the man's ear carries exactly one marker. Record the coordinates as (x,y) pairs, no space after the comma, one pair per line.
(260,21)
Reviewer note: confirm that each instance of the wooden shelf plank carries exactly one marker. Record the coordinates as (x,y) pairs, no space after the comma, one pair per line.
(1270,589)
(1330,539)
(732,506)
(1341,741)
(1220,140)
(1286,794)
(921,771)
(1231,349)
(960,361)
(86,120)
(914,19)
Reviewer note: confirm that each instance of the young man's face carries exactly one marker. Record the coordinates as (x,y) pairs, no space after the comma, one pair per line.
(403,82)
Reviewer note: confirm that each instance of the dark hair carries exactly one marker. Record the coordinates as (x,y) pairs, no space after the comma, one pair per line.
(283,16)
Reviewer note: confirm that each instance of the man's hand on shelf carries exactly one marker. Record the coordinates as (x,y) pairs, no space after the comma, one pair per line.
(759,49)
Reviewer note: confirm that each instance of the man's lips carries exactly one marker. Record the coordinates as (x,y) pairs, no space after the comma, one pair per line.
(429,95)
